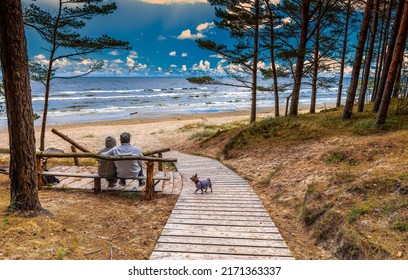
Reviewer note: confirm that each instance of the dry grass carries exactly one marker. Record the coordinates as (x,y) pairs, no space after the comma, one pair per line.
(84,226)
(335,189)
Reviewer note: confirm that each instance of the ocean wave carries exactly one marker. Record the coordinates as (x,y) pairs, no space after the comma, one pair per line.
(96,91)
(104,97)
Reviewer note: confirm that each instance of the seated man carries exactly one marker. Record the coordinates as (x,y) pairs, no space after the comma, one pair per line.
(107,168)
(126,168)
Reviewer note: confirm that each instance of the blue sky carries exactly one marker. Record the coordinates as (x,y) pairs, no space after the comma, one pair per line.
(161,33)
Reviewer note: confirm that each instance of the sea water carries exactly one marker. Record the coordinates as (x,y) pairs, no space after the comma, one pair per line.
(90,99)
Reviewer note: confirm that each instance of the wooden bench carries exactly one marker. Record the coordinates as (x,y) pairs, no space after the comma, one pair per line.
(159,176)
(151,178)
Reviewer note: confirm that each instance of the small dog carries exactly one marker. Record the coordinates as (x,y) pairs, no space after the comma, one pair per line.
(201,185)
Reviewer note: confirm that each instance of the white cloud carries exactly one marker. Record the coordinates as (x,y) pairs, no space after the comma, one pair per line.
(114,53)
(133,54)
(64,62)
(140,66)
(40,58)
(184,68)
(285,21)
(173,53)
(130,62)
(201,28)
(184,54)
(204,26)
(86,61)
(161,38)
(173,66)
(186,34)
(201,66)
(66,67)
(216,56)
(261,64)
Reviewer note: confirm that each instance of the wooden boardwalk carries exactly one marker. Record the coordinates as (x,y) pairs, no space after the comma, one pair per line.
(229,223)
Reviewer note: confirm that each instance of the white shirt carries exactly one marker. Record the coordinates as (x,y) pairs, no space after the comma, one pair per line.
(126,168)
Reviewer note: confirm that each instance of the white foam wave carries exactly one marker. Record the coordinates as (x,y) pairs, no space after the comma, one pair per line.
(105,97)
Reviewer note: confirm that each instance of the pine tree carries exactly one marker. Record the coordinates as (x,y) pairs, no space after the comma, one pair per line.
(351,93)
(14,62)
(241,19)
(59,29)
(368,57)
(388,55)
(397,57)
(268,37)
(294,40)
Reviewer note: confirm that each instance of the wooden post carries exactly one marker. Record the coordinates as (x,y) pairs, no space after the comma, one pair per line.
(39,171)
(76,162)
(69,140)
(149,181)
(160,164)
(97,185)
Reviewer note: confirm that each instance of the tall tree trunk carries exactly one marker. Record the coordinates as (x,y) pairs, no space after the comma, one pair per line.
(301,59)
(397,87)
(343,54)
(13,53)
(272,55)
(397,57)
(255,62)
(351,94)
(380,47)
(49,77)
(315,65)
(368,59)
(389,55)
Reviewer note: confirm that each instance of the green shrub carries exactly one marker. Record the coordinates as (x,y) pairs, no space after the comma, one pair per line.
(202,134)
(334,157)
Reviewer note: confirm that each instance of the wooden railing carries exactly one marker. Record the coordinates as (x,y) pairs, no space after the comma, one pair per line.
(150,160)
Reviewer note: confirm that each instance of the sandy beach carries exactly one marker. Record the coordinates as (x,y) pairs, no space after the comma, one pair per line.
(148,133)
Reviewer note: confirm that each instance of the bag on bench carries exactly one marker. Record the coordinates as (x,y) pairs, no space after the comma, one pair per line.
(49,179)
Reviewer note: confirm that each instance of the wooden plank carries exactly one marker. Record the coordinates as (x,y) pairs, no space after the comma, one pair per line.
(222,241)
(216,228)
(210,205)
(220,208)
(221,222)
(229,213)
(201,256)
(216,216)
(231,197)
(206,199)
(218,203)
(218,249)
(219,234)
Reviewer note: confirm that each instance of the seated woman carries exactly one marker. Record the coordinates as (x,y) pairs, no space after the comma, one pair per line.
(107,168)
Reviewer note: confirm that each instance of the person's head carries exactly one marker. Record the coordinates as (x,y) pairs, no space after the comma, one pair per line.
(125,138)
(110,142)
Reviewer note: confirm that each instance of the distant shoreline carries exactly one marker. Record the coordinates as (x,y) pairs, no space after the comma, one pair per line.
(145,118)
(149,133)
